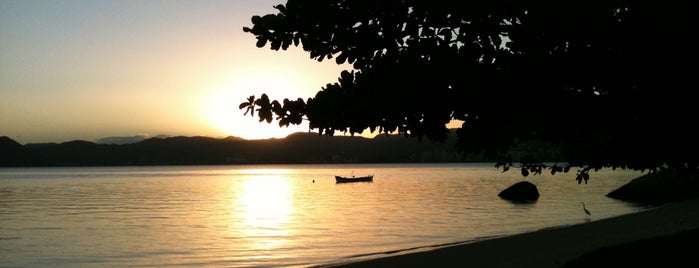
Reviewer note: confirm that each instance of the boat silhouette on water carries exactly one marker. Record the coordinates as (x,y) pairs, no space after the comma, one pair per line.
(341,179)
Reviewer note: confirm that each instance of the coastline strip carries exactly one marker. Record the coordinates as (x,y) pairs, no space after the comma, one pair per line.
(552,247)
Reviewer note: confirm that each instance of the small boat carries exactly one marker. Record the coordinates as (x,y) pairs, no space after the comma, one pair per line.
(340,179)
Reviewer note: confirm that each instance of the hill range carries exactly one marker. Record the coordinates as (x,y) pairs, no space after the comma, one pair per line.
(297,148)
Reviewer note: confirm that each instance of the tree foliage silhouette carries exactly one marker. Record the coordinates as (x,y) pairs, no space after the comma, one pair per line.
(607,82)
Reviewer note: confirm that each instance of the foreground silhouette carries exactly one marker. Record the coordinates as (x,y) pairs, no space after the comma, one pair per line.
(605,81)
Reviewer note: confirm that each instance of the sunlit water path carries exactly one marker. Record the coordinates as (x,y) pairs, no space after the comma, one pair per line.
(278,216)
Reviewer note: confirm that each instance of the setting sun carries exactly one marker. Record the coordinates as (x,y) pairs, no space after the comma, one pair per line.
(222,113)
(278,79)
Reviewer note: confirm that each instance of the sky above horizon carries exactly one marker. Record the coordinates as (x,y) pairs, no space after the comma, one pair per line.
(89,69)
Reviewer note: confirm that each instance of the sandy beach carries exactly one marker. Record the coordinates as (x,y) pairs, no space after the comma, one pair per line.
(655,236)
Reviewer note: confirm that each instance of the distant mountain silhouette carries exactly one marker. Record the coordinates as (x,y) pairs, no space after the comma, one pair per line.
(121,140)
(6,143)
(11,152)
(297,148)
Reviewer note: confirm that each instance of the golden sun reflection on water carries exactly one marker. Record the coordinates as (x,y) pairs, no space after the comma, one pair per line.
(266,206)
(266,171)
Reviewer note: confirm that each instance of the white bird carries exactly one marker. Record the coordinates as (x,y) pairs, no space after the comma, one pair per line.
(587,212)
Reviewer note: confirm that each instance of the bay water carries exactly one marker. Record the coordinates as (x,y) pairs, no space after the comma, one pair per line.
(275,215)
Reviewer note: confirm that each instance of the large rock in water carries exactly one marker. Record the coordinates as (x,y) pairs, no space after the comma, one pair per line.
(659,187)
(522,191)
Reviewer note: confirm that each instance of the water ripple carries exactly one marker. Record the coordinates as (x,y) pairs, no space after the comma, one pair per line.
(272,216)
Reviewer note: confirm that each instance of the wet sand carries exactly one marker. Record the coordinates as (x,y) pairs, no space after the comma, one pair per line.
(656,236)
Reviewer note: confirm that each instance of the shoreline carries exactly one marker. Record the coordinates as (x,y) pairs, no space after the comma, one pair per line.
(558,246)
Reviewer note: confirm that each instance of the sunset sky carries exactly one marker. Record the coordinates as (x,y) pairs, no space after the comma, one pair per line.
(89,69)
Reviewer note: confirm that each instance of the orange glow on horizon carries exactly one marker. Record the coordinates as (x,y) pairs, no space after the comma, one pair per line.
(222,112)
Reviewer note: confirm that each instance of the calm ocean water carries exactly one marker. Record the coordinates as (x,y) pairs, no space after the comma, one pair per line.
(274,215)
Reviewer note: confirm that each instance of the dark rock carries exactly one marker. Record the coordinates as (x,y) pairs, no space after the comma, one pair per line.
(659,187)
(522,191)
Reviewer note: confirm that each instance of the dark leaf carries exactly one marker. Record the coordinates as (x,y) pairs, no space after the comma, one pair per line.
(270,19)
(261,41)
(276,108)
(346,78)
(276,44)
(341,58)
(281,8)
(446,33)
(554,169)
